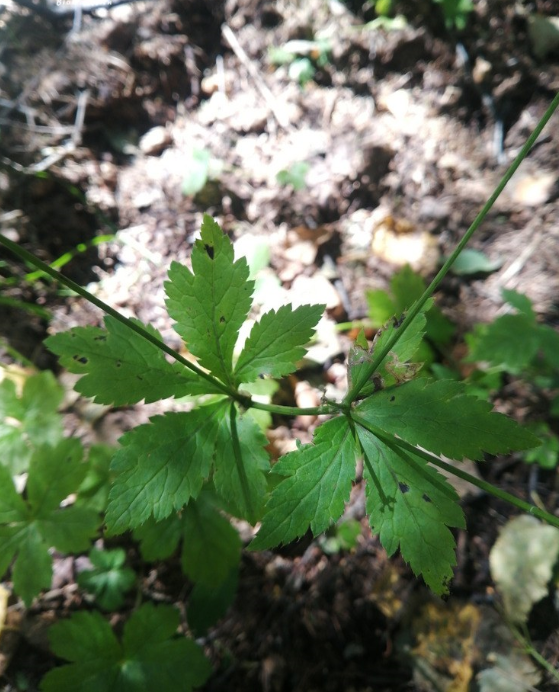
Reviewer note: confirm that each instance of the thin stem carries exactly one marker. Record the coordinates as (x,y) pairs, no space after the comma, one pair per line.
(325,410)
(366,372)
(238,456)
(16,355)
(390,441)
(530,649)
(28,257)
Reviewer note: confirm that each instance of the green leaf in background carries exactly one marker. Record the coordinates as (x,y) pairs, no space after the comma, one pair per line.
(94,490)
(519,301)
(120,367)
(514,341)
(211,547)
(343,536)
(405,288)
(29,527)
(29,420)
(383,7)
(318,483)
(161,465)
(240,475)
(456,12)
(109,579)
(511,341)
(296,174)
(440,417)
(207,604)
(277,342)
(471,262)
(547,455)
(149,656)
(198,170)
(301,70)
(411,506)
(210,303)
(381,307)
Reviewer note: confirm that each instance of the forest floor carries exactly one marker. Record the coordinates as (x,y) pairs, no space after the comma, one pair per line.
(117,137)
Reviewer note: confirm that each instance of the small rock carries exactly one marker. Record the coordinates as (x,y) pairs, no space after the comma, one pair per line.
(398,242)
(315,290)
(146,198)
(533,190)
(155,141)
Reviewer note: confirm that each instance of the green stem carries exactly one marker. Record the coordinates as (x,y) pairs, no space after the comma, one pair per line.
(533,652)
(47,269)
(16,355)
(391,441)
(366,372)
(325,410)
(238,456)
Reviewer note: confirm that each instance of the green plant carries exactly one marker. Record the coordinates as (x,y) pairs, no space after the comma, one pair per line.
(28,420)
(201,168)
(295,175)
(517,344)
(303,57)
(148,656)
(387,415)
(31,524)
(109,579)
(405,288)
(184,468)
(341,536)
(455,12)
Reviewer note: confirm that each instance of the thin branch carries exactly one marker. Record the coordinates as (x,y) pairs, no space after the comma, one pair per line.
(366,372)
(65,281)
(253,71)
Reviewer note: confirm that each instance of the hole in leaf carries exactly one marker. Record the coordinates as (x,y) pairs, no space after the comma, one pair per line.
(392,398)
(404,488)
(426,498)
(81,359)
(221,319)
(210,251)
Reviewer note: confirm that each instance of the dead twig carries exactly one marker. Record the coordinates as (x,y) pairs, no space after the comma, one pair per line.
(253,71)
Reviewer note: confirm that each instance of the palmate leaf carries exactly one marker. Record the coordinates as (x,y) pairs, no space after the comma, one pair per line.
(161,465)
(440,417)
(411,506)
(211,547)
(277,342)
(318,483)
(148,657)
(108,579)
(241,463)
(29,420)
(120,367)
(30,527)
(210,303)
